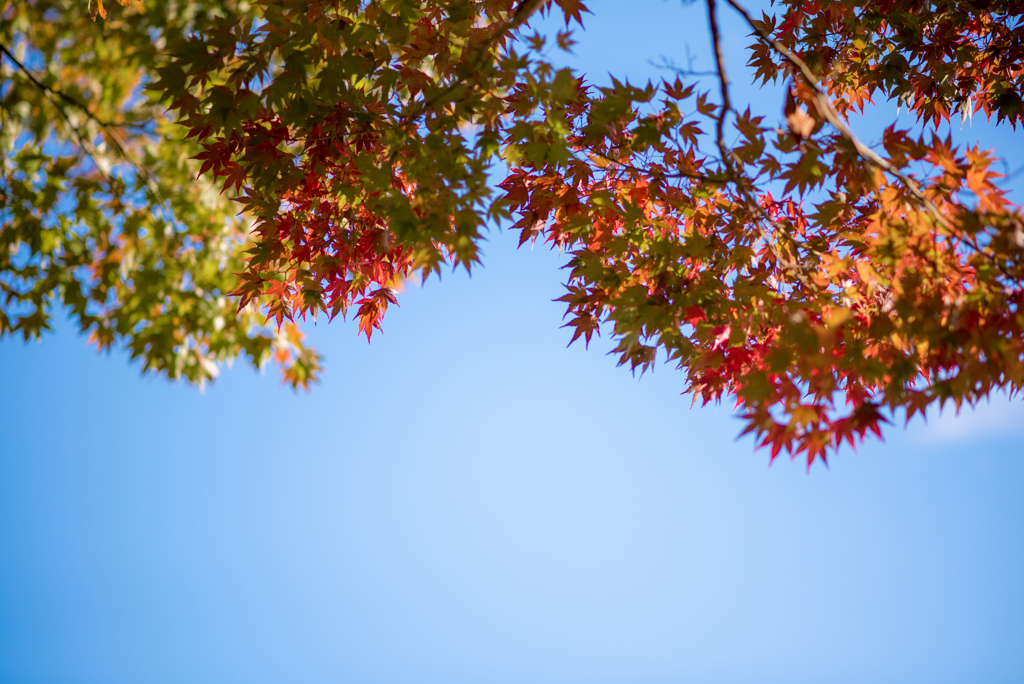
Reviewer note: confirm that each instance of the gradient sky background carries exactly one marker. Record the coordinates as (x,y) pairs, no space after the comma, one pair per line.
(467,500)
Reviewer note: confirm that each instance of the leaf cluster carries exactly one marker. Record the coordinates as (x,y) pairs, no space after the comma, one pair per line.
(342,146)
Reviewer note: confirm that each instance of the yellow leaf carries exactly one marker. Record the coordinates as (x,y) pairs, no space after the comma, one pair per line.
(97,8)
(837,317)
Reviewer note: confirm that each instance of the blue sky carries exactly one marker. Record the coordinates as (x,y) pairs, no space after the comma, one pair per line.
(467,500)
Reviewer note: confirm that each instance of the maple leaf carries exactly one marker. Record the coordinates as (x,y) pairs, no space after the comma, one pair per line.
(720,336)
(96,8)
(801,124)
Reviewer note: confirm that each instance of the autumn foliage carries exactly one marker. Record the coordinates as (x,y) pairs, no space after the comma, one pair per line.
(824,286)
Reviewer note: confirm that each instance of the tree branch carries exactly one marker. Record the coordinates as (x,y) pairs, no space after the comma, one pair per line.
(52,93)
(727,158)
(64,96)
(826,111)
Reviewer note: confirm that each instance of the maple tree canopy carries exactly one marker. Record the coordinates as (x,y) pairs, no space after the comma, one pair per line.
(189,179)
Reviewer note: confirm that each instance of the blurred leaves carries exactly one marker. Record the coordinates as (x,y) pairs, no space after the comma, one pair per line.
(102,213)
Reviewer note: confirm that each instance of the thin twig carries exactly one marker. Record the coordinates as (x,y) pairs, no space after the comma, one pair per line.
(703,178)
(826,111)
(52,93)
(64,96)
(1010,175)
(85,145)
(669,65)
(726,153)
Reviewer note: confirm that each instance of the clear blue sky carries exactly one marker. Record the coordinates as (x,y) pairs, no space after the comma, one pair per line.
(467,500)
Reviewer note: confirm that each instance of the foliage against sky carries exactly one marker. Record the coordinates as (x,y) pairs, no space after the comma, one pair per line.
(100,204)
(820,283)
